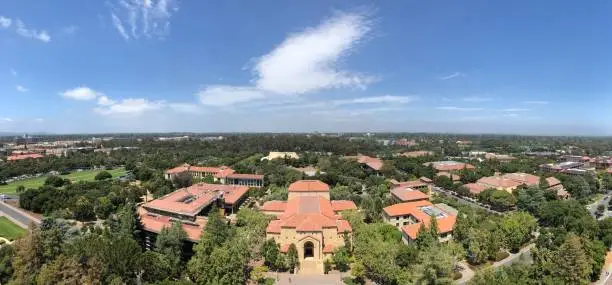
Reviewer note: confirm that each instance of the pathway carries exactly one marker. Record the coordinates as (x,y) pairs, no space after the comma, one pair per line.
(302,279)
(18,216)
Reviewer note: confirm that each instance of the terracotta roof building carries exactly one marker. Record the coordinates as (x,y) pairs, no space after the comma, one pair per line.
(373,163)
(24,156)
(188,205)
(407,194)
(510,181)
(310,221)
(410,216)
(221,174)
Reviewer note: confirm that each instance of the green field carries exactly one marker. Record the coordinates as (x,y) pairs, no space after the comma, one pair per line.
(87,175)
(10,230)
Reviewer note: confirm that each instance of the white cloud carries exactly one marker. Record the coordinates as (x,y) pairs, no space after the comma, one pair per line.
(511,115)
(81,93)
(536,102)
(131,107)
(378,99)
(13,72)
(150,18)
(23,31)
(39,120)
(119,26)
(455,108)
(453,75)
(307,61)
(21,88)
(5,22)
(477,99)
(105,101)
(515,110)
(7,120)
(224,95)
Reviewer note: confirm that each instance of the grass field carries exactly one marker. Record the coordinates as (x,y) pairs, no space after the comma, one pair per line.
(10,230)
(87,175)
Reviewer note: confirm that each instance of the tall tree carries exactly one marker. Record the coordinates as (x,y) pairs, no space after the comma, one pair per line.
(293,260)
(170,244)
(572,262)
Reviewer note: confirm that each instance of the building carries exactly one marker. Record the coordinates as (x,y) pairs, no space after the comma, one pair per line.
(221,174)
(422,183)
(498,157)
(311,221)
(510,181)
(407,194)
(453,177)
(418,153)
(449,166)
(189,206)
(369,162)
(281,155)
(410,216)
(405,142)
(567,167)
(23,156)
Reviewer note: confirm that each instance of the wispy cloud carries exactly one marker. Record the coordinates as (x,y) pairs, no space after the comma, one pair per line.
(21,88)
(25,32)
(105,101)
(149,18)
(82,93)
(7,119)
(377,100)
(516,110)
(13,72)
(131,107)
(303,63)
(536,102)
(187,108)
(453,75)
(455,108)
(39,120)
(5,22)
(477,99)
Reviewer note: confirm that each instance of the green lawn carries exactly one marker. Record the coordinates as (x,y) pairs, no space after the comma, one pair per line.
(10,230)
(87,175)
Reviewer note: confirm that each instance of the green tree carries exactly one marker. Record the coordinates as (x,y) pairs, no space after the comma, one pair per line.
(477,246)
(104,207)
(293,260)
(103,175)
(83,209)
(517,228)
(153,266)
(169,243)
(358,271)
(341,259)
(258,274)
(270,252)
(340,193)
(572,262)
(425,238)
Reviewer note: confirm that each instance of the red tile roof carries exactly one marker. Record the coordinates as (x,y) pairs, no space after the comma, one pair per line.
(407,194)
(308,186)
(308,213)
(274,206)
(405,208)
(552,181)
(499,182)
(454,177)
(224,172)
(329,248)
(343,205)
(371,162)
(191,200)
(24,156)
(475,188)
(178,169)
(445,225)
(155,223)
(524,178)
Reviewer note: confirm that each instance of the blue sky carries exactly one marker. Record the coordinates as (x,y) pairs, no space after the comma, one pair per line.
(529,67)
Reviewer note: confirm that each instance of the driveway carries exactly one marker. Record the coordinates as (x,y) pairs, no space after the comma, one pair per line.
(18,216)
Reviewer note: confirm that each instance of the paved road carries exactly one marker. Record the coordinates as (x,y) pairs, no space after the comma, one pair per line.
(15,214)
(602,201)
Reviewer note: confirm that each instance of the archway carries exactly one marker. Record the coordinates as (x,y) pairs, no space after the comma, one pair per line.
(308,249)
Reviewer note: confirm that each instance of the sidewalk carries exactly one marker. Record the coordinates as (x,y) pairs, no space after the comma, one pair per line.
(298,279)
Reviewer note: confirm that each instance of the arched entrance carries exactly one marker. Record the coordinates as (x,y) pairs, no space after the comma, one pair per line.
(308,249)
